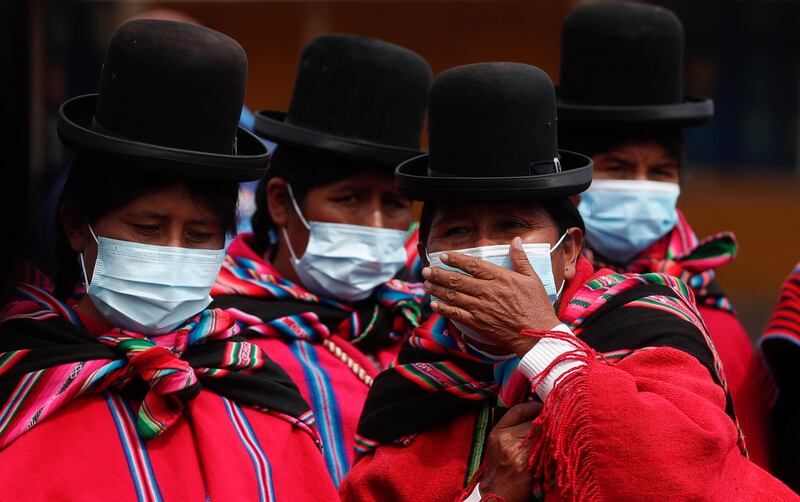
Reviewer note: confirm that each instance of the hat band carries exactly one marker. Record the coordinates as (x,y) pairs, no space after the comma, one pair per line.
(536,168)
(98,127)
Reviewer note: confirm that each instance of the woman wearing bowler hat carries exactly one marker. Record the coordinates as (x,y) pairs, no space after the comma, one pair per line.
(121,385)
(538,376)
(621,101)
(322,276)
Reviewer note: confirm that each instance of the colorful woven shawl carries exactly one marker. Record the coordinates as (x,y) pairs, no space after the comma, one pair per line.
(47,360)
(780,346)
(780,343)
(681,254)
(437,378)
(368,336)
(386,318)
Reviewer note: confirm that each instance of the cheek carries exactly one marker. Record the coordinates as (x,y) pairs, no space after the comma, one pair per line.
(298,234)
(317,207)
(398,219)
(89,259)
(216,242)
(537,236)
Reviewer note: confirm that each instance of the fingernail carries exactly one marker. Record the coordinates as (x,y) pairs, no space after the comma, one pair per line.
(426,272)
(444,257)
(516,243)
(427,284)
(434,305)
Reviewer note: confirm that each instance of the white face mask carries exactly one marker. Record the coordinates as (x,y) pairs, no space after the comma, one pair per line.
(539,258)
(625,217)
(347,262)
(150,289)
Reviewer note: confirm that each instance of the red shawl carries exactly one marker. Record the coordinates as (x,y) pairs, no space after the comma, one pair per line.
(682,254)
(215,420)
(644,423)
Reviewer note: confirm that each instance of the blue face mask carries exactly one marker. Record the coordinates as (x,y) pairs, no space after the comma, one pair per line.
(150,289)
(347,262)
(625,217)
(539,257)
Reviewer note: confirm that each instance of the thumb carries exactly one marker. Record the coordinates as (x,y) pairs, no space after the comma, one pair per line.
(519,260)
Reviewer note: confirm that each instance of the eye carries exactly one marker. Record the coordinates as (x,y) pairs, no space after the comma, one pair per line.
(347,200)
(513,224)
(148,230)
(396,202)
(663,173)
(200,236)
(454,231)
(614,169)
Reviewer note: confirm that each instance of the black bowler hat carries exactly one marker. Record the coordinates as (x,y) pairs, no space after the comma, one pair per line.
(354,97)
(492,136)
(621,65)
(169,103)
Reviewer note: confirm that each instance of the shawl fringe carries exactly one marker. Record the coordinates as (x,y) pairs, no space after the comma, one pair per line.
(560,438)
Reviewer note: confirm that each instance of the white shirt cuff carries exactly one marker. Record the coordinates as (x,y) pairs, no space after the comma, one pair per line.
(475,496)
(542,354)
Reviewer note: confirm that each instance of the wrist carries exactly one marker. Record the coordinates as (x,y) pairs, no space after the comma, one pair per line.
(523,344)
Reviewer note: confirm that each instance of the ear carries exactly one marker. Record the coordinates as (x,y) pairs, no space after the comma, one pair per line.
(573,245)
(278,201)
(74,226)
(423,256)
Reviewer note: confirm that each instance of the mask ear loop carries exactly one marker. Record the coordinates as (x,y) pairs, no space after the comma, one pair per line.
(558,243)
(561,289)
(297,208)
(83,262)
(302,219)
(563,281)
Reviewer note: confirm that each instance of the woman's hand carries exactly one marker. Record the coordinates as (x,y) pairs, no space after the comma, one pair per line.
(505,469)
(496,302)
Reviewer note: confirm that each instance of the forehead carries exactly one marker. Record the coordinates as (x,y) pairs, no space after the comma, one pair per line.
(174,202)
(646,149)
(479,211)
(365,179)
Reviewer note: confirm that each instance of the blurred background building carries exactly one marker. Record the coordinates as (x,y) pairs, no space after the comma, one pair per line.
(743,170)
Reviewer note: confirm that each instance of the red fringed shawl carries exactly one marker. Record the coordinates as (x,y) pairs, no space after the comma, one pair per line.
(649,420)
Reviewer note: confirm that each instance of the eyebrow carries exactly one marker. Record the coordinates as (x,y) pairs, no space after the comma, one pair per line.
(620,160)
(162,217)
(148,214)
(350,185)
(663,164)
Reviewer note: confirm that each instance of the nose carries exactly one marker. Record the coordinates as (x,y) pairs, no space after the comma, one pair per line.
(485,240)
(376,218)
(641,173)
(174,238)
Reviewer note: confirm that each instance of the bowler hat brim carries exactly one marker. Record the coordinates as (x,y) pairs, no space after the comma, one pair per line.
(272,125)
(414,180)
(248,163)
(694,110)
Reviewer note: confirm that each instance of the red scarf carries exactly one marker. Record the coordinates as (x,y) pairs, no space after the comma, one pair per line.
(681,254)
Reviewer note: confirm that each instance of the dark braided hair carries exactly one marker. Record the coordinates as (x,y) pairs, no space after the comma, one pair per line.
(96,191)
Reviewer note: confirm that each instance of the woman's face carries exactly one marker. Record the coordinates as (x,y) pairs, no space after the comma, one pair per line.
(368,198)
(465,225)
(168,217)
